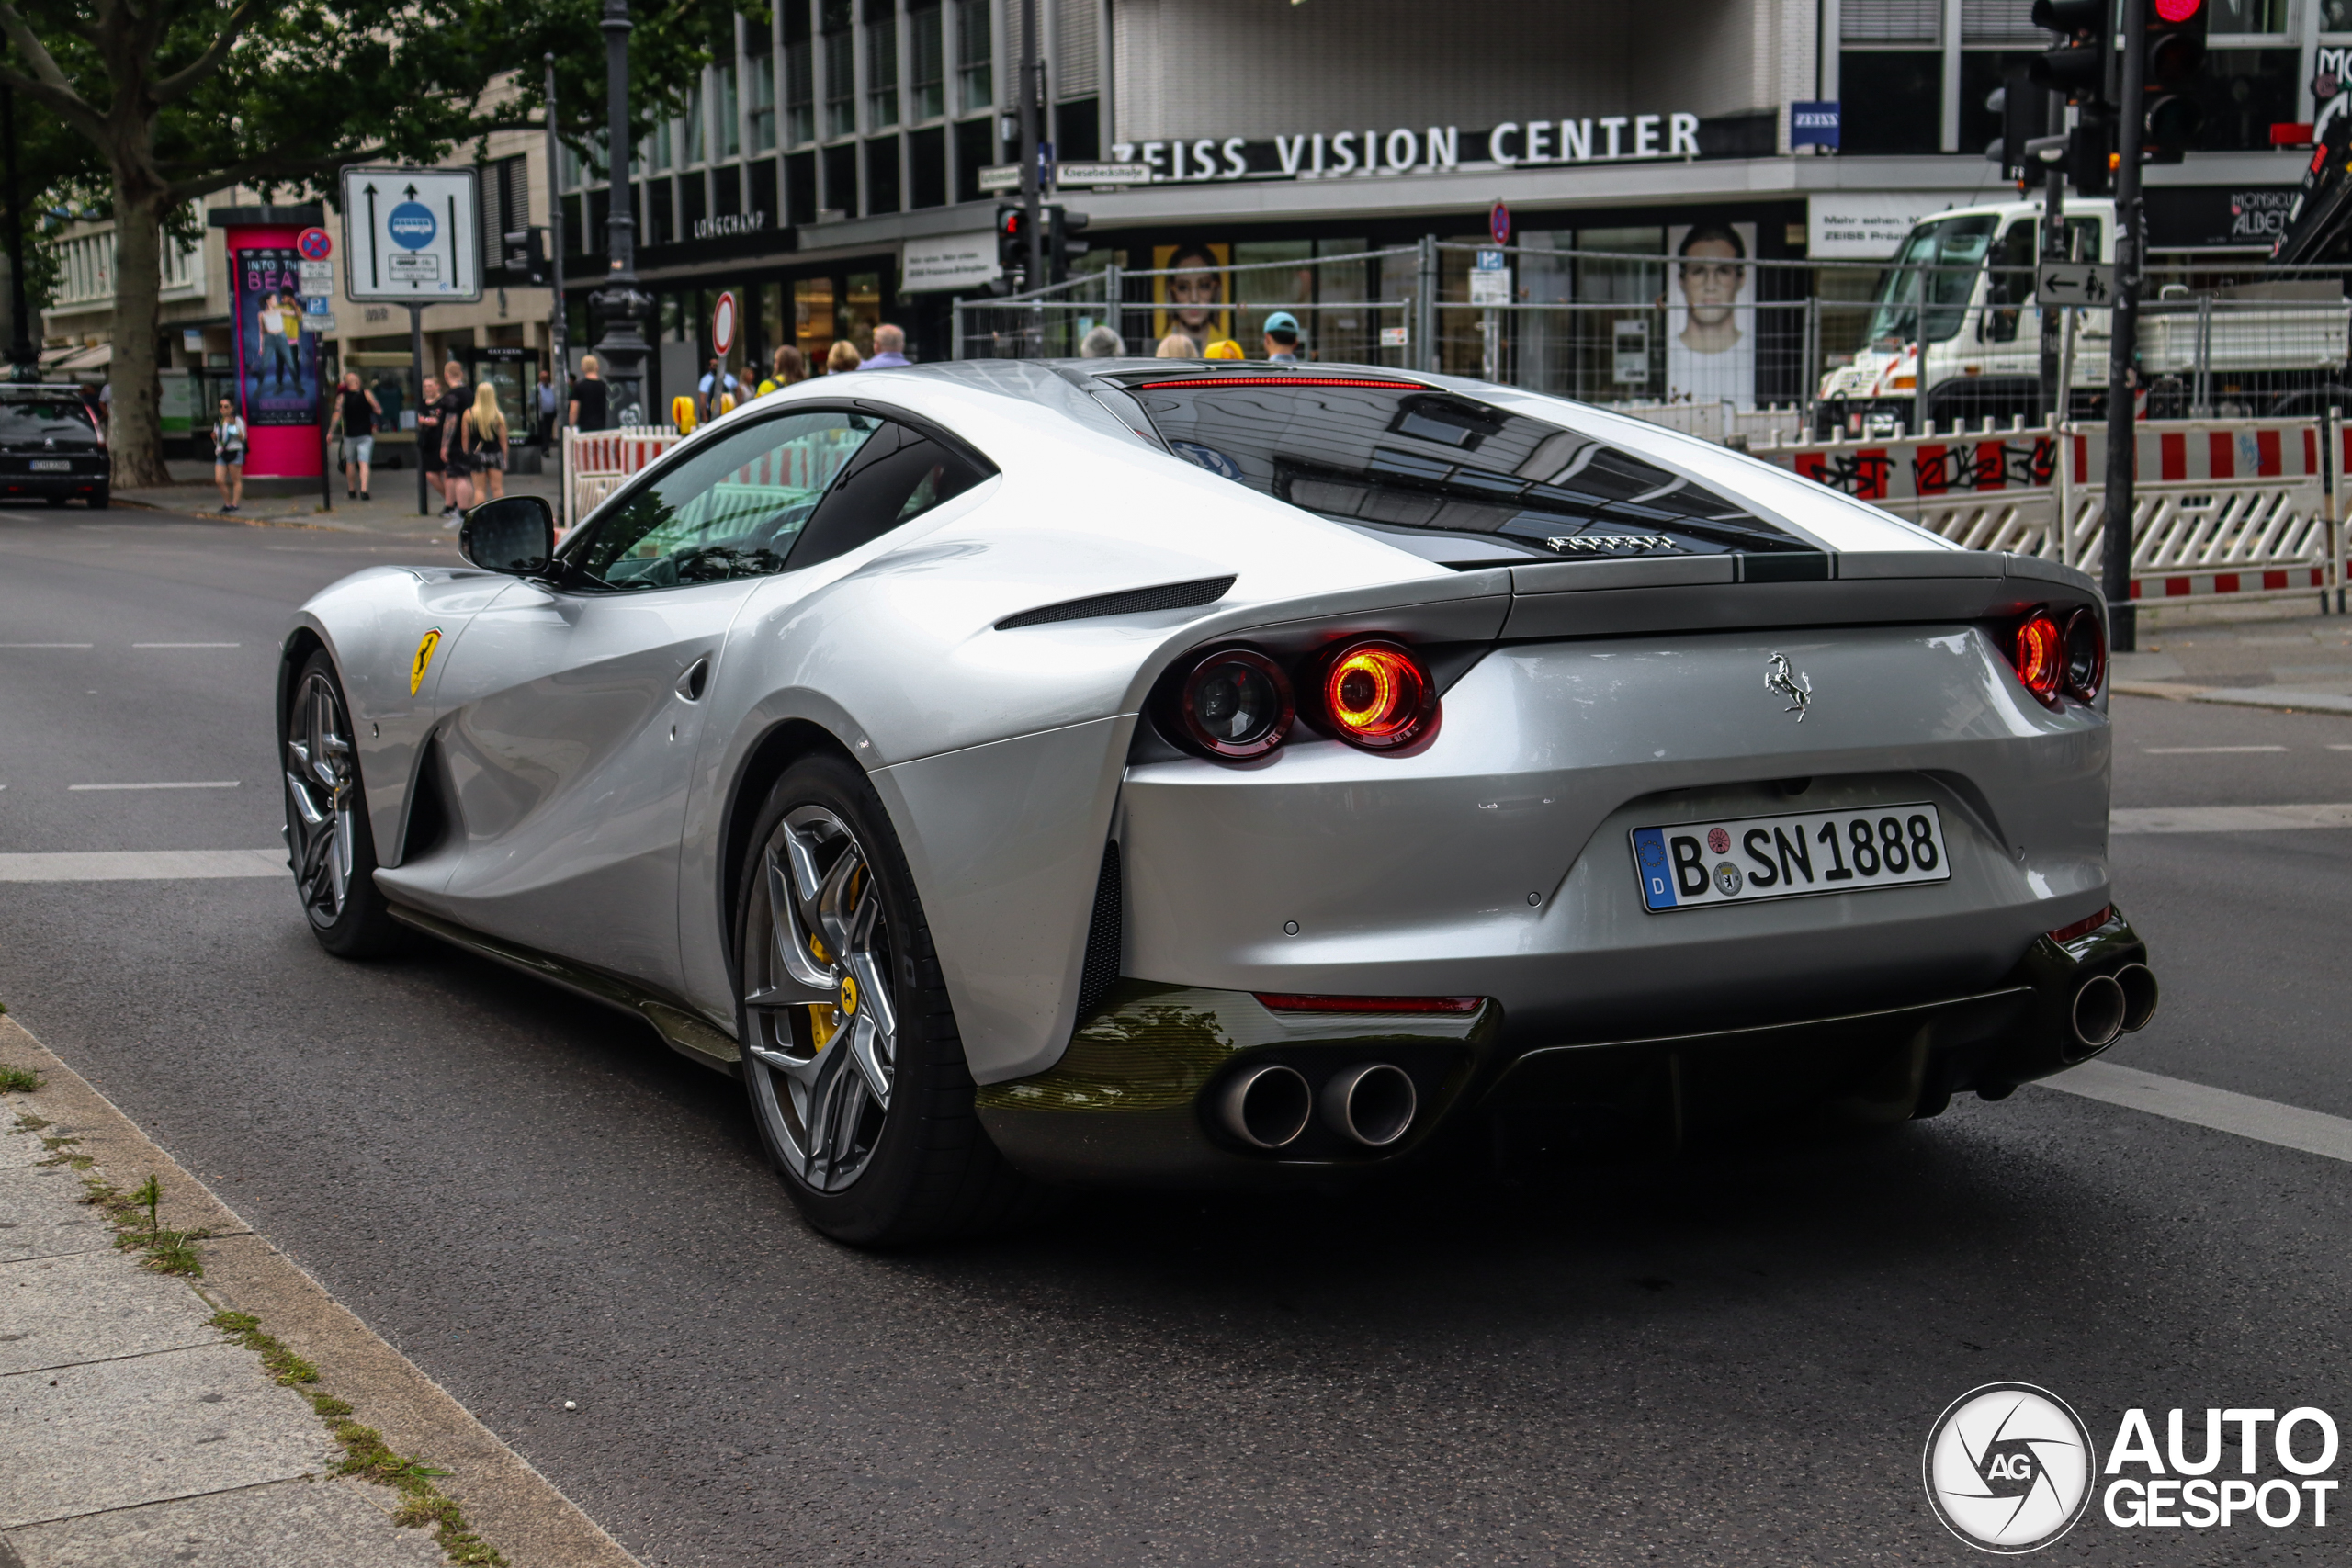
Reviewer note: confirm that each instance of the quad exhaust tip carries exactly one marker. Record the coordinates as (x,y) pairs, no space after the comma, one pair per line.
(2097,1014)
(1373,1103)
(2140,996)
(1266,1107)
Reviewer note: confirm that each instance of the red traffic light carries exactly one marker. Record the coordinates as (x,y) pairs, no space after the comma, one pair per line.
(2178,11)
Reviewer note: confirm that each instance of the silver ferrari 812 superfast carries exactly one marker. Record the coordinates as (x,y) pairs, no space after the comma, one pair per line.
(1022,772)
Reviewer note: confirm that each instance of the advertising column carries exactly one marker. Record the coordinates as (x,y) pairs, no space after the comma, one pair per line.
(274,360)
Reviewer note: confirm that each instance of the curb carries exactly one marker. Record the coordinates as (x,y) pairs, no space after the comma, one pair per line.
(2276,699)
(505,1499)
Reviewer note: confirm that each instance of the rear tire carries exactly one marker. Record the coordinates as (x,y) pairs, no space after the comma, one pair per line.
(327,833)
(863,1100)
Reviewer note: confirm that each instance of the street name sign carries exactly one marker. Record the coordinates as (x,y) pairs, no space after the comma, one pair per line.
(411,236)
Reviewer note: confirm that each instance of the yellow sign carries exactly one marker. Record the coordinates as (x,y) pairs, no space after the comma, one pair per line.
(423,657)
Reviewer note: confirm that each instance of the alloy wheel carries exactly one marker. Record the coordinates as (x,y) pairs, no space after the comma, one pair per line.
(824,1030)
(322,797)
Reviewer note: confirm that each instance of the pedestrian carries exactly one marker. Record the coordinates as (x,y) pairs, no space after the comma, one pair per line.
(428,440)
(456,467)
(356,414)
(789,367)
(1281,338)
(716,382)
(543,410)
(1102,343)
(1177,345)
(589,405)
(484,439)
(229,457)
(889,348)
(842,358)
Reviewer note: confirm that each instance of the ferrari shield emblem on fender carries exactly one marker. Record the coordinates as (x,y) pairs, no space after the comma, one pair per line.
(1790,683)
(431,641)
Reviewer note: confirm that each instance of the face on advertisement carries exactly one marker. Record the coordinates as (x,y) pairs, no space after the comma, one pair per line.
(1711,274)
(1194,292)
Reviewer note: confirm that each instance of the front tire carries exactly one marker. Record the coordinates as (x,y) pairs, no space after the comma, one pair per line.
(326,820)
(851,1057)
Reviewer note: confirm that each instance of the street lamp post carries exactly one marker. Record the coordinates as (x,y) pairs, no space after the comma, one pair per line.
(622,350)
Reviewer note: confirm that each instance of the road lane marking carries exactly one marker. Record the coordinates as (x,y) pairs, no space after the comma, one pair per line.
(141,865)
(2335,747)
(2204,750)
(44,645)
(2225,819)
(241,644)
(2264,1121)
(191,783)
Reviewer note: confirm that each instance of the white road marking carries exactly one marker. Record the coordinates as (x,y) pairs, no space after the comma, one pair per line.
(193,783)
(2264,1121)
(141,865)
(2204,750)
(2335,747)
(44,645)
(241,644)
(2225,819)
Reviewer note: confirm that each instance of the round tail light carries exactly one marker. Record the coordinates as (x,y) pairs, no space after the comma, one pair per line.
(1236,704)
(2038,649)
(1377,695)
(2086,655)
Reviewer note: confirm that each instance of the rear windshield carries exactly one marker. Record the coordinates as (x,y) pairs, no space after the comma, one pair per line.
(39,418)
(1395,455)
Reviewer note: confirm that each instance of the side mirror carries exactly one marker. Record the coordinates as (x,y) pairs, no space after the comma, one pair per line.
(516,535)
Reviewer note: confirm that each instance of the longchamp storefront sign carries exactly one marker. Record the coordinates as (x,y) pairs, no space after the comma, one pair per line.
(1411,150)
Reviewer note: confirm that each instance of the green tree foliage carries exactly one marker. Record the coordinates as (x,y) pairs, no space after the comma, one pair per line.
(176,99)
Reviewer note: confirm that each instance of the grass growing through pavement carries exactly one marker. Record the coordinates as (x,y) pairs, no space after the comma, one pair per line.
(18,1080)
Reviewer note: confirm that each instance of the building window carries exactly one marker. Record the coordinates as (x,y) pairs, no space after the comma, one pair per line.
(841,71)
(763,104)
(881,64)
(2243,93)
(695,147)
(1981,73)
(974,57)
(728,201)
(761,194)
(975,151)
(661,213)
(731,118)
(506,202)
(882,175)
(1890,21)
(841,181)
(800,189)
(1893,101)
(799,78)
(657,147)
(1077,130)
(2252,16)
(928,49)
(927,167)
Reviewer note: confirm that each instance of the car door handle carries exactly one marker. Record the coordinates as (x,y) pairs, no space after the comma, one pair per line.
(691,684)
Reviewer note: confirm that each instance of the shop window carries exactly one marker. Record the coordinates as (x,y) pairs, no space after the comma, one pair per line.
(727,183)
(770,317)
(1983,72)
(881,64)
(760,177)
(841,71)
(927,168)
(974,57)
(861,311)
(841,181)
(975,149)
(800,188)
(882,175)
(1077,130)
(812,318)
(1893,101)
(2243,93)
(927,58)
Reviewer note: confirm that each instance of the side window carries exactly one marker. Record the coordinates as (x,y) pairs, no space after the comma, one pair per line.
(734,509)
(897,476)
(2008,280)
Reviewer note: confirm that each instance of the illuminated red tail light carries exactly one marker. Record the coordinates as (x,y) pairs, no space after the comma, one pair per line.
(1377,695)
(2086,655)
(2038,649)
(1235,703)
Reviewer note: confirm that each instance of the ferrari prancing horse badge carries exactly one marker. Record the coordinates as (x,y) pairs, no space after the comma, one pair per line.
(423,657)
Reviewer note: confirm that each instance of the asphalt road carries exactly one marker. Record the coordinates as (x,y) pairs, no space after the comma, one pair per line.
(1732,1358)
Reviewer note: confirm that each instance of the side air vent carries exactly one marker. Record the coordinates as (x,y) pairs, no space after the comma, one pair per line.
(1167,596)
(1102,937)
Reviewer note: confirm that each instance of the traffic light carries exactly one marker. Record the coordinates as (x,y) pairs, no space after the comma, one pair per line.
(525,251)
(2079,66)
(2089,151)
(2024,111)
(1012,246)
(2175,50)
(1060,224)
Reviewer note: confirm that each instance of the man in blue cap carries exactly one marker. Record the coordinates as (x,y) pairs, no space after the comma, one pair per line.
(1281,338)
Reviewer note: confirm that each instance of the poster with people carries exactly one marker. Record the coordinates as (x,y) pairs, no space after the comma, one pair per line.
(277,353)
(1711,313)
(1189,299)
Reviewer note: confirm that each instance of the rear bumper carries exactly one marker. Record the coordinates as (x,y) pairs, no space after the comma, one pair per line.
(44,486)
(1136,1097)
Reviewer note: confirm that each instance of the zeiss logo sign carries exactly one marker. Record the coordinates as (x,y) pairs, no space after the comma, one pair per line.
(412,225)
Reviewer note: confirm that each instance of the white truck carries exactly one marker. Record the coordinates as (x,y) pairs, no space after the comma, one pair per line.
(1954,335)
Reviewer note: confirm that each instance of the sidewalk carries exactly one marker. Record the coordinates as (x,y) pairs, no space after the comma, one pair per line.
(296,502)
(2300,663)
(184,1394)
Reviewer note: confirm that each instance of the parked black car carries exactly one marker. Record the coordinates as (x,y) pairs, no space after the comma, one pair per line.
(52,447)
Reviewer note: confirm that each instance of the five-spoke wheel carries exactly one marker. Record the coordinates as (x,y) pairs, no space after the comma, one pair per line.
(326,818)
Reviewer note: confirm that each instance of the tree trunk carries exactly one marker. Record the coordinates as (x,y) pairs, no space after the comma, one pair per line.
(137,440)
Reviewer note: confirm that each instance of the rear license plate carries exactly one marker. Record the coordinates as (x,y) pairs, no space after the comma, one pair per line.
(1754,858)
(53,466)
